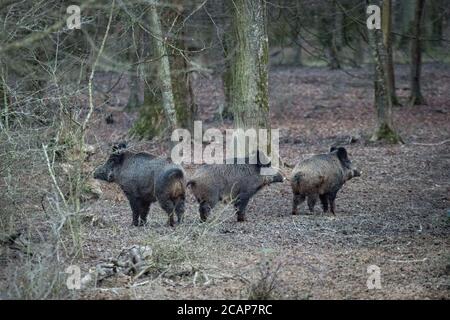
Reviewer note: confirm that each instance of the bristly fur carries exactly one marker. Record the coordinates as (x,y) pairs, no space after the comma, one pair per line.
(321,176)
(145,179)
(235,182)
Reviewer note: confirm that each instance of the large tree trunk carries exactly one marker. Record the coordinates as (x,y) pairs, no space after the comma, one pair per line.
(168,95)
(416,97)
(249,91)
(164,78)
(387,40)
(383,103)
(185,106)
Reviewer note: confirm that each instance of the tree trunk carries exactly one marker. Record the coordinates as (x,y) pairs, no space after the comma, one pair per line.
(328,35)
(249,91)
(434,15)
(158,109)
(338,31)
(228,51)
(416,97)
(406,20)
(298,60)
(437,21)
(164,78)
(133,76)
(383,103)
(4,103)
(151,119)
(185,106)
(358,54)
(387,41)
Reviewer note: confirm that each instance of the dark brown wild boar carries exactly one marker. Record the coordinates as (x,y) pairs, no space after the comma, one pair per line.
(236,182)
(145,179)
(321,176)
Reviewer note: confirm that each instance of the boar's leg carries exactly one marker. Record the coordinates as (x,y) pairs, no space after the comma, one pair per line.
(145,207)
(168,206)
(312,199)
(332,198)
(207,204)
(204,210)
(179,209)
(139,208)
(240,204)
(324,201)
(297,200)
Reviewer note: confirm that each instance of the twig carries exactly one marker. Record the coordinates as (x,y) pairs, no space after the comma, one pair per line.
(431,144)
(409,261)
(91,77)
(52,174)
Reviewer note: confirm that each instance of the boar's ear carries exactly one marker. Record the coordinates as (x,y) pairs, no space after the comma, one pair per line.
(342,154)
(117,158)
(190,183)
(119,146)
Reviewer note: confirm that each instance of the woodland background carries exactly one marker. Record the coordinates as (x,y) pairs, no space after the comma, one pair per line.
(136,70)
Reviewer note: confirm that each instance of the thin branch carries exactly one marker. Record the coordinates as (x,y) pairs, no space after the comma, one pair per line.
(91,77)
(36,36)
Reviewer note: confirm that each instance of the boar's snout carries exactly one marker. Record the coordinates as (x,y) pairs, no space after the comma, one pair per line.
(272,175)
(356,173)
(278,178)
(204,211)
(101,173)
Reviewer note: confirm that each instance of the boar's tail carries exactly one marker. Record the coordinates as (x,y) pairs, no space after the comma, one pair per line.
(172,174)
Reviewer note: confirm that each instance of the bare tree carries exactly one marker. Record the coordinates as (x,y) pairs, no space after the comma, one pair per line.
(185,106)
(249,91)
(383,103)
(387,40)
(163,65)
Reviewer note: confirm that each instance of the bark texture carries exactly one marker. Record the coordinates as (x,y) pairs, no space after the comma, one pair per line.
(249,80)
(383,103)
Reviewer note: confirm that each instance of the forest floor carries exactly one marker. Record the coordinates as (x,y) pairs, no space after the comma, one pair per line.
(395,216)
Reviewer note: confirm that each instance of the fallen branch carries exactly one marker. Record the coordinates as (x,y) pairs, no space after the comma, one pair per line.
(409,261)
(431,144)
(135,260)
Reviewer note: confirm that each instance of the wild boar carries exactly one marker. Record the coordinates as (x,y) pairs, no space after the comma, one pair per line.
(321,176)
(145,179)
(235,182)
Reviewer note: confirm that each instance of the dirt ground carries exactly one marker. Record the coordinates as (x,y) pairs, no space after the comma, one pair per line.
(395,216)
